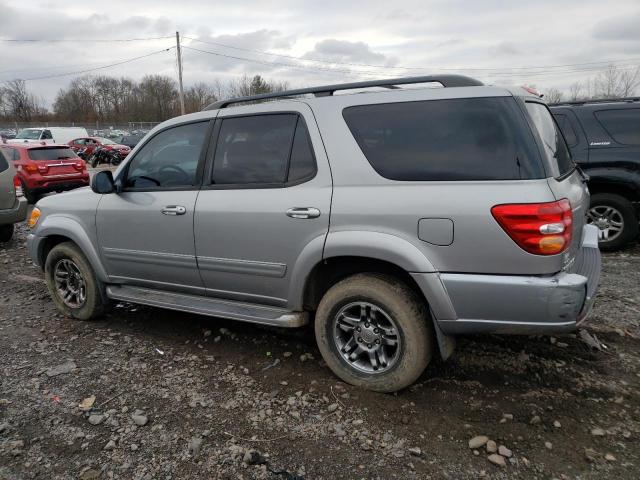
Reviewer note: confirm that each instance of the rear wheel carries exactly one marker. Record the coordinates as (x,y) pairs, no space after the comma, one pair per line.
(373,332)
(31,197)
(615,218)
(72,283)
(6,232)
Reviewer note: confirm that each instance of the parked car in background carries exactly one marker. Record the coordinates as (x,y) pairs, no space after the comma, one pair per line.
(48,135)
(89,144)
(395,220)
(604,138)
(13,206)
(130,140)
(46,168)
(7,134)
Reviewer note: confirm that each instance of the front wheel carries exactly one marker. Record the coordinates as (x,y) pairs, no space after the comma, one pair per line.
(373,332)
(72,283)
(615,218)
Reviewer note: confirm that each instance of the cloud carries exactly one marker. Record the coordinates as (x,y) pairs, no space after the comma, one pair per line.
(345,51)
(622,28)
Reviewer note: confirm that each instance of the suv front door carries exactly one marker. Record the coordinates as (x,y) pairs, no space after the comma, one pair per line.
(249,236)
(145,232)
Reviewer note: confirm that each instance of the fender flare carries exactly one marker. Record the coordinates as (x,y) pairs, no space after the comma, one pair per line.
(64,226)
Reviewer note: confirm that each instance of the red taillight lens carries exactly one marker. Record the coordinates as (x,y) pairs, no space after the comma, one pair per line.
(43,168)
(17,186)
(79,165)
(538,228)
(30,168)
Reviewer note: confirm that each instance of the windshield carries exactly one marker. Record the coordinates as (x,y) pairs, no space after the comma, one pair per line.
(105,141)
(56,153)
(29,134)
(555,147)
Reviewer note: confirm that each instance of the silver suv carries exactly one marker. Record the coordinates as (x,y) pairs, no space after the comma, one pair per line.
(393,220)
(13,205)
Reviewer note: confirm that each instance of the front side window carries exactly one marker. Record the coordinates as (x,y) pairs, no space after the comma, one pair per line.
(623,124)
(46,135)
(170,159)
(263,149)
(446,140)
(554,146)
(79,141)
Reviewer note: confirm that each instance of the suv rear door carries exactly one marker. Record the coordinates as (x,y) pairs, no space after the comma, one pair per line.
(266,197)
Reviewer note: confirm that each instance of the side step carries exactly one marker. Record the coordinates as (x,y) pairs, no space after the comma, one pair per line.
(213,307)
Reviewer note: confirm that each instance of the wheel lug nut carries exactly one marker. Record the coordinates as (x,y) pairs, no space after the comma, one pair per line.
(375,330)
(359,339)
(377,341)
(366,325)
(369,345)
(358,329)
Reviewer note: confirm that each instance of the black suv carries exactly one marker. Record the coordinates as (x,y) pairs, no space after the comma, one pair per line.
(604,137)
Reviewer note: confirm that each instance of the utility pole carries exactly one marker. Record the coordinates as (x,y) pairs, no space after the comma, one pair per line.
(179,54)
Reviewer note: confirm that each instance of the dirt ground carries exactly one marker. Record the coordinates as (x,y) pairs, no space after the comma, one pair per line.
(181,396)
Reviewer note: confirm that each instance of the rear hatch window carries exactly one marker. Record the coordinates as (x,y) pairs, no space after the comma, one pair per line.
(440,140)
(554,145)
(55,153)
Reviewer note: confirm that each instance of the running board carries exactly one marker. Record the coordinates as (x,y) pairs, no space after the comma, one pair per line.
(213,307)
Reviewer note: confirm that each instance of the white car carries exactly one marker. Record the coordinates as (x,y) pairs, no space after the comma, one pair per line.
(49,135)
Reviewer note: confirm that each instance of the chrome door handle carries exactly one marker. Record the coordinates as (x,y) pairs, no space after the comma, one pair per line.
(299,212)
(174,210)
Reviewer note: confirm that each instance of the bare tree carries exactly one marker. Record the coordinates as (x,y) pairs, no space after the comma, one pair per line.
(18,103)
(198,96)
(629,82)
(575,91)
(553,95)
(616,82)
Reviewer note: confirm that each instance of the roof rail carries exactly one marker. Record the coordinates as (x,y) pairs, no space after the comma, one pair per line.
(328,90)
(597,100)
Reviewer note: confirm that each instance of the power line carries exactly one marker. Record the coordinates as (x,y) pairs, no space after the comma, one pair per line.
(390,67)
(280,64)
(98,68)
(83,40)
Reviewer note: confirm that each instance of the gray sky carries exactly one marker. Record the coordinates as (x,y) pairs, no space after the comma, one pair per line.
(489,39)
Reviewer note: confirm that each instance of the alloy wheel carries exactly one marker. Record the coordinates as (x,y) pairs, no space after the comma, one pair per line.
(609,221)
(70,284)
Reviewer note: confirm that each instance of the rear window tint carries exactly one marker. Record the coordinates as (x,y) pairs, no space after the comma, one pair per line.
(567,129)
(440,140)
(42,154)
(623,125)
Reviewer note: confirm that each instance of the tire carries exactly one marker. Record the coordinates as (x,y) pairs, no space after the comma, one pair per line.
(32,198)
(393,303)
(621,210)
(93,305)
(6,232)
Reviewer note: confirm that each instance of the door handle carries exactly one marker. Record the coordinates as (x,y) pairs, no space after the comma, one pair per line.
(174,210)
(300,212)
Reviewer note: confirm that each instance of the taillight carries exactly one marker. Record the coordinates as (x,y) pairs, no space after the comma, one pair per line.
(30,168)
(538,228)
(17,186)
(80,165)
(43,168)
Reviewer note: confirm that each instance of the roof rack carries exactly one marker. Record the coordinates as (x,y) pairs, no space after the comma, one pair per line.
(328,90)
(598,100)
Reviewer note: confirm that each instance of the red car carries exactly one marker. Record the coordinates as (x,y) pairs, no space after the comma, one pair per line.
(91,143)
(46,168)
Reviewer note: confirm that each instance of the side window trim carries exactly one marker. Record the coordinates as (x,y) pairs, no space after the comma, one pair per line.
(208,184)
(122,176)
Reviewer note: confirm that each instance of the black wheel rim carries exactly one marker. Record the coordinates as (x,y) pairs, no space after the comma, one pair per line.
(366,337)
(70,284)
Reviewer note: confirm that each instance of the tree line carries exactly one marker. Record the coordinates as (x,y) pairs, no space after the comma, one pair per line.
(106,99)
(154,98)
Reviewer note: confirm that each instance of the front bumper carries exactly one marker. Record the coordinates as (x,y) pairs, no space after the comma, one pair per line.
(15,214)
(525,304)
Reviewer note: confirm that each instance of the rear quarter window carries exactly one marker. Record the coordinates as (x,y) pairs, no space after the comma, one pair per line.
(567,129)
(623,125)
(553,142)
(446,140)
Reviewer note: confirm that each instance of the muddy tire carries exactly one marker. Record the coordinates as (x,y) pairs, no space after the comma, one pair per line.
(6,232)
(615,217)
(374,332)
(32,198)
(72,283)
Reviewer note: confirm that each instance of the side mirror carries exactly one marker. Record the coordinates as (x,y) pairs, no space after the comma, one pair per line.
(102,182)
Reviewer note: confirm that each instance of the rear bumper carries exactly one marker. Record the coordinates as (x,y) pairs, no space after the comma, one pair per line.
(15,214)
(60,184)
(525,304)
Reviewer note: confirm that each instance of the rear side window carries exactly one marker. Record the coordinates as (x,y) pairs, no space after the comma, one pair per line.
(41,154)
(269,149)
(554,145)
(567,129)
(623,125)
(4,164)
(456,139)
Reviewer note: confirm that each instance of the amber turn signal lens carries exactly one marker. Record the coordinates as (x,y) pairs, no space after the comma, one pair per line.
(551,245)
(35,216)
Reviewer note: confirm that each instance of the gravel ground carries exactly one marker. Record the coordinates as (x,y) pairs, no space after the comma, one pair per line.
(151,394)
